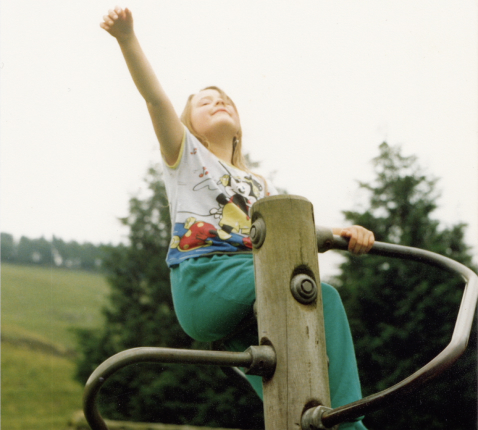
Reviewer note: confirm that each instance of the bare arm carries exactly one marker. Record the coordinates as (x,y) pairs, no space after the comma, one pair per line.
(169,129)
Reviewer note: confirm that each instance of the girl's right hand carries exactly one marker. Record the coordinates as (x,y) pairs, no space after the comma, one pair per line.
(118,23)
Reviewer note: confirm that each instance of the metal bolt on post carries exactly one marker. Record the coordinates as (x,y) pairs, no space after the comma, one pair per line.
(303,288)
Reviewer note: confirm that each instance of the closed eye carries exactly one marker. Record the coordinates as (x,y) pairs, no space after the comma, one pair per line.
(205,101)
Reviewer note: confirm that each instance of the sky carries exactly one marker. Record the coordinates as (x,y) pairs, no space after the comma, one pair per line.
(319,85)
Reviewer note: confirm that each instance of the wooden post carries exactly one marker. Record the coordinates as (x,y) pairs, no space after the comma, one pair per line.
(285,253)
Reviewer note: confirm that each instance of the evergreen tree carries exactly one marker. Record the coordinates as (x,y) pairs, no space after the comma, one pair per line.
(402,313)
(140,313)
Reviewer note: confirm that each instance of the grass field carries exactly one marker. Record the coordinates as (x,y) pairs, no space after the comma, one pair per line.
(40,306)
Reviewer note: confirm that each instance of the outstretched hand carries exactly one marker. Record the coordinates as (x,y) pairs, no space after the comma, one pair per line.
(361,239)
(118,23)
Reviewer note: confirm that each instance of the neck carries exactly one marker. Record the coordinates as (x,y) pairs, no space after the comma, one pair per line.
(221,147)
(221,152)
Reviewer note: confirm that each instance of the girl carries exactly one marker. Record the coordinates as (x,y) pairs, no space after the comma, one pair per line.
(210,191)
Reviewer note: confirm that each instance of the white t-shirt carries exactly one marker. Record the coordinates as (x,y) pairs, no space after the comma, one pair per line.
(209,202)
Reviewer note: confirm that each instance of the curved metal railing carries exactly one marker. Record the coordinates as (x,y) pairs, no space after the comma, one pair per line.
(321,417)
(258,360)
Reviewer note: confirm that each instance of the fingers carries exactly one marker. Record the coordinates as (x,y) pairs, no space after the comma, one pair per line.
(107,21)
(114,15)
(361,239)
(371,241)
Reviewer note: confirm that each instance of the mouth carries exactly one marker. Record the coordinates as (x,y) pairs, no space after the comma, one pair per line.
(221,110)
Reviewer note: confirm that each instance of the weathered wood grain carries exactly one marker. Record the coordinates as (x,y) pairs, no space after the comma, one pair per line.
(295,330)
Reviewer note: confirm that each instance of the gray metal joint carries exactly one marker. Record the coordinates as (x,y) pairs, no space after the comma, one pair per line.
(312,418)
(258,233)
(325,238)
(263,361)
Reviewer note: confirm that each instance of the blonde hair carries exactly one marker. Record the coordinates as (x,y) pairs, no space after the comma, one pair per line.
(238,159)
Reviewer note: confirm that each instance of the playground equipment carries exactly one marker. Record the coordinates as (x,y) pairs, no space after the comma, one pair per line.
(291,355)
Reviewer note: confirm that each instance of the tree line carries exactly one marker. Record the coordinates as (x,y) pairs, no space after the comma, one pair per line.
(52,253)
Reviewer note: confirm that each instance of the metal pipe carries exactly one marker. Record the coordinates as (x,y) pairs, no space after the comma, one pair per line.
(262,358)
(323,418)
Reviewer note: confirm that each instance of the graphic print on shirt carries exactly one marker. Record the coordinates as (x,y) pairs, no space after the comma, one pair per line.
(232,213)
(198,235)
(235,203)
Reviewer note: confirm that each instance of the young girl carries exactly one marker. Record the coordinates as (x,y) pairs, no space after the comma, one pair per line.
(210,191)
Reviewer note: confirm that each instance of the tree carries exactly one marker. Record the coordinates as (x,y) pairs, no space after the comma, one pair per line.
(34,251)
(140,313)
(402,313)
(73,255)
(8,248)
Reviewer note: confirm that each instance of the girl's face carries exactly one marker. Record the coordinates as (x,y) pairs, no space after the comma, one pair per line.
(212,113)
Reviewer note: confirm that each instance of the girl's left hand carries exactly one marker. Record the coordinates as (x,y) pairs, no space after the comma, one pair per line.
(361,239)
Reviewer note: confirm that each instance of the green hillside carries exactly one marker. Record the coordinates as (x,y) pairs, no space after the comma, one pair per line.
(40,306)
(48,302)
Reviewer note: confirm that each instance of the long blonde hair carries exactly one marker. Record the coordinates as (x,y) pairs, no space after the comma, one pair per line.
(238,159)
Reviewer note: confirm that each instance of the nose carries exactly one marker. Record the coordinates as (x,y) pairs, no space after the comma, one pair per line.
(220,101)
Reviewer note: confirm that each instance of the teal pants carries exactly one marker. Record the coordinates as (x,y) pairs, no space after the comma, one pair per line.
(212,295)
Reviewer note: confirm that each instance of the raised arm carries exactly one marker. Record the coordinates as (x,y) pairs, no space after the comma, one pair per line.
(167,126)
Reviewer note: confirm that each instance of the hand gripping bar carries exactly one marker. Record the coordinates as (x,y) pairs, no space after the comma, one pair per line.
(321,417)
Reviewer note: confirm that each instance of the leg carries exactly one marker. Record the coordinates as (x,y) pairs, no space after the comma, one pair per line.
(343,373)
(212,295)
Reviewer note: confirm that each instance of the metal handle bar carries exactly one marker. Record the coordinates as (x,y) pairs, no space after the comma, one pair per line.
(259,360)
(321,417)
